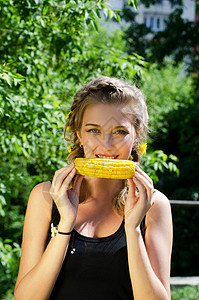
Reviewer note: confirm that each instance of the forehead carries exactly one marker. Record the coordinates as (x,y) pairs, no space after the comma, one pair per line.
(103,114)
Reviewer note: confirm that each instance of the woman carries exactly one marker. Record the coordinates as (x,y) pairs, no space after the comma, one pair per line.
(114,236)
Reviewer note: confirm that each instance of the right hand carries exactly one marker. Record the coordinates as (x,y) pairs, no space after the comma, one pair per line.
(66,200)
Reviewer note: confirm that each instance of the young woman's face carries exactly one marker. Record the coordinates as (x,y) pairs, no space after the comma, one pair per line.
(106,132)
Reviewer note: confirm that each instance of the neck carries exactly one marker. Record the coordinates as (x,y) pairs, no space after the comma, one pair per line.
(100,189)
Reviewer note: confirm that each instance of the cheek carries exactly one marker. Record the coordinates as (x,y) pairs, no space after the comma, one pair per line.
(90,143)
(126,142)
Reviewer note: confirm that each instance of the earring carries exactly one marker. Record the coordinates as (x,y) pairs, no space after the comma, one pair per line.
(81,146)
(133,154)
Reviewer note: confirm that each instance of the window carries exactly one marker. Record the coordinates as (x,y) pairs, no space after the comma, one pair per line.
(151,22)
(158,23)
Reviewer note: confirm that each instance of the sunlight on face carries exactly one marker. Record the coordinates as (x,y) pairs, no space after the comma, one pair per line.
(107,131)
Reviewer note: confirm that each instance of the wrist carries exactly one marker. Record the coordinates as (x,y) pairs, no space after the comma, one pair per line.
(65,226)
(129,229)
(56,230)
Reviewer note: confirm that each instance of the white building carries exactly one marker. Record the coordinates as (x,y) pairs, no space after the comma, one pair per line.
(155,15)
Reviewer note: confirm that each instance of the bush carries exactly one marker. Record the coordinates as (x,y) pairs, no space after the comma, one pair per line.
(9,259)
(185,293)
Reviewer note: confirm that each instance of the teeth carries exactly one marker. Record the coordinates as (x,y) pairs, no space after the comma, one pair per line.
(105,157)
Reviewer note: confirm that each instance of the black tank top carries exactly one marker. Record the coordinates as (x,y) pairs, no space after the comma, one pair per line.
(94,268)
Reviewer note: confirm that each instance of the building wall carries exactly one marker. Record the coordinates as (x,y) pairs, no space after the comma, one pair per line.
(155,15)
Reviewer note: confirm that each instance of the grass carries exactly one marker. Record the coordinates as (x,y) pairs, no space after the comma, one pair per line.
(185,293)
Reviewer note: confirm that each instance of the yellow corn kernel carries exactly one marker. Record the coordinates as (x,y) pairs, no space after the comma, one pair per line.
(105,168)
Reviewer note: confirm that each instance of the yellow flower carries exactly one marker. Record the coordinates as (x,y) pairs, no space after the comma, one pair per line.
(69,148)
(68,115)
(141,148)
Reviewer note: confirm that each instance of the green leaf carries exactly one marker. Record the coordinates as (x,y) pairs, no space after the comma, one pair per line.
(156,166)
(7,241)
(134,2)
(94,24)
(16,80)
(2,200)
(48,106)
(173,157)
(118,18)
(7,78)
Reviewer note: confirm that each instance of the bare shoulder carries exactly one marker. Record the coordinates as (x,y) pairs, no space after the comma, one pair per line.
(160,210)
(41,198)
(161,199)
(43,188)
(38,214)
(39,208)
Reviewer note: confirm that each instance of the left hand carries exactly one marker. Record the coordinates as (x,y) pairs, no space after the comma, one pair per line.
(138,202)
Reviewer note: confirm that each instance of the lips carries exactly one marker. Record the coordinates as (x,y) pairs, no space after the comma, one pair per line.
(106,156)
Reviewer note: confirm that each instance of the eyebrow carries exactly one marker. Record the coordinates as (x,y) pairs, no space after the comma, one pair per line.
(96,125)
(90,124)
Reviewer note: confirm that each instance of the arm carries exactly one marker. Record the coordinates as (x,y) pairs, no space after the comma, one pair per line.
(149,262)
(40,267)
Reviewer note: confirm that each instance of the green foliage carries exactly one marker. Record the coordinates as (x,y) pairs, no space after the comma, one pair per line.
(135,39)
(155,46)
(185,293)
(134,3)
(179,44)
(56,49)
(10,77)
(9,257)
(167,89)
(174,123)
(158,161)
(46,55)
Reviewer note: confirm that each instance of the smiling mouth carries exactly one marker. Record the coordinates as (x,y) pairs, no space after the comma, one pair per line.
(107,156)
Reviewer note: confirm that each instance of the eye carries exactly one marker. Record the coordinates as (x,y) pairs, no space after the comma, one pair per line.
(121,132)
(93,130)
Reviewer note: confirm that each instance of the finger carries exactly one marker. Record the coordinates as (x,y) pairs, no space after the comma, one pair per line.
(68,180)
(70,166)
(145,177)
(62,184)
(131,187)
(145,186)
(77,184)
(138,169)
(60,176)
(140,186)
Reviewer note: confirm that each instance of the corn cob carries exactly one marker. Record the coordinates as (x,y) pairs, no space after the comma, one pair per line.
(105,168)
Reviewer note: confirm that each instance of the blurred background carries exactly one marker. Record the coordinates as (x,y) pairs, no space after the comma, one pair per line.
(48,50)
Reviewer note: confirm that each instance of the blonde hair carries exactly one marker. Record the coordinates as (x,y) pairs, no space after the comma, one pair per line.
(107,90)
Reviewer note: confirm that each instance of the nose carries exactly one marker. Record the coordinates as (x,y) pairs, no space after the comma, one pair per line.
(107,142)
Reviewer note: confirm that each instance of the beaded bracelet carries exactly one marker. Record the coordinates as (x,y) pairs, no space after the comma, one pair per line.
(54,231)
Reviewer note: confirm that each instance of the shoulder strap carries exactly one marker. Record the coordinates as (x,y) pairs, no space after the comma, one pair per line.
(142,227)
(55,215)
